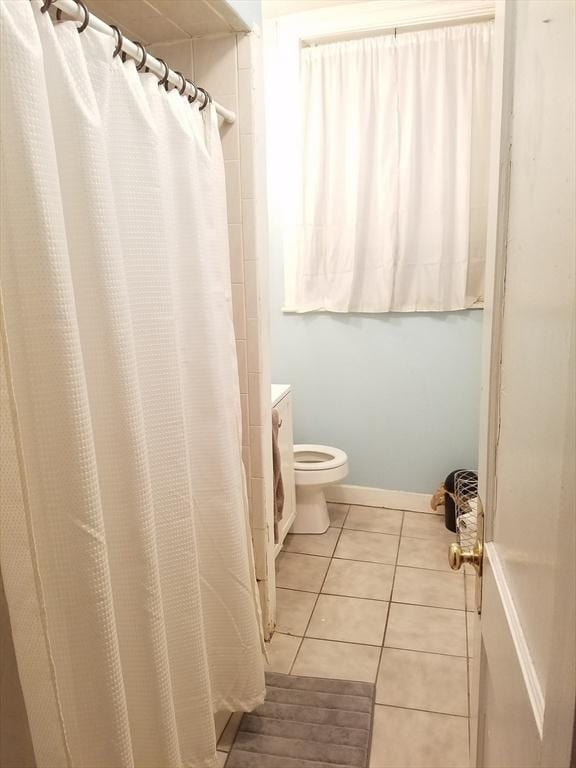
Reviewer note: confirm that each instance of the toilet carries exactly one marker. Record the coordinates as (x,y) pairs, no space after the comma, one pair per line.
(315,467)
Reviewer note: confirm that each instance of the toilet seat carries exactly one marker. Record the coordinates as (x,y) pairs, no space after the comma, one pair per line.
(317,458)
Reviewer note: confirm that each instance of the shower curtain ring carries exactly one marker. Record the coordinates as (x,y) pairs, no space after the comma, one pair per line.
(46,6)
(119,40)
(184,83)
(86,21)
(190,97)
(142,64)
(207,98)
(164,79)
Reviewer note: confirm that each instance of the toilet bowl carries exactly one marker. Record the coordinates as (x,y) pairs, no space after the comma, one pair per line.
(315,467)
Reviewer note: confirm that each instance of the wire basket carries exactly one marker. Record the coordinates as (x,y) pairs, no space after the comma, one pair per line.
(466,503)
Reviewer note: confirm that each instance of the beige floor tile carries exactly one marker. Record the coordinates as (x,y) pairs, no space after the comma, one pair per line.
(470,589)
(348,619)
(220,722)
(407,738)
(337,513)
(472,626)
(423,553)
(471,672)
(343,661)
(422,525)
(282,650)
(434,588)
(355,579)
(293,610)
(301,571)
(423,681)
(312,543)
(419,628)
(374,519)
(227,738)
(371,547)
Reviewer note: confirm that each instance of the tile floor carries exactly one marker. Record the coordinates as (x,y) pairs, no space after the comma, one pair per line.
(374,599)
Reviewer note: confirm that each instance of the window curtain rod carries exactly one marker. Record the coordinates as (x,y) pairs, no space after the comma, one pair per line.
(136,51)
(412,25)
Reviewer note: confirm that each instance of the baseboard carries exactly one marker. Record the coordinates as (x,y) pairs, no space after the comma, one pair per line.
(379,497)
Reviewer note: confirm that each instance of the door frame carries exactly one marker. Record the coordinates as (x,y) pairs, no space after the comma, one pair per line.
(495,276)
(496,238)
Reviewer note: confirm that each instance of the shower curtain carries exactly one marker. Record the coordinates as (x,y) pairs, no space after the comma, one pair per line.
(124,549)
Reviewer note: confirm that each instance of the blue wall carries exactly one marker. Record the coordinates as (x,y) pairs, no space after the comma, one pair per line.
(398,392)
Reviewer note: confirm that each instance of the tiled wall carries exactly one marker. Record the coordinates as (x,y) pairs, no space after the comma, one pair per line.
(229,67)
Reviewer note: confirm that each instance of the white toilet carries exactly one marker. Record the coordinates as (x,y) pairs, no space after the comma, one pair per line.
(315,466)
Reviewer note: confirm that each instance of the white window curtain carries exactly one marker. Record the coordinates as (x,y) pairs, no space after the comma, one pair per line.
(124,547)
(393,187)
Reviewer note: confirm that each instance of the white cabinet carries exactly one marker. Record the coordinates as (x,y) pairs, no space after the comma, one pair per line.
(282,401)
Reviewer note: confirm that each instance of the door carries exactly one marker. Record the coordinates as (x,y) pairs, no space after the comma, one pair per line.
(523,672)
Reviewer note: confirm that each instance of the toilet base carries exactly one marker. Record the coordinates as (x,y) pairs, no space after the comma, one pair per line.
(311,510)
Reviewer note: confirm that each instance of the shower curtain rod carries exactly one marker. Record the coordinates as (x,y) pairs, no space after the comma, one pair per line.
(135,50)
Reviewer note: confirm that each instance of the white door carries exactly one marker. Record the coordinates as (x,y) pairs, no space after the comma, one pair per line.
(523,673)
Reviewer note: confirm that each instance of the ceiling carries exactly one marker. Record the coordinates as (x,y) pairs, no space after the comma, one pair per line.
(272,8)
(163,21)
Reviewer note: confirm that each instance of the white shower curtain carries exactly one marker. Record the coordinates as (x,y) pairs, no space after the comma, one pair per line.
(395,143)
(124,546)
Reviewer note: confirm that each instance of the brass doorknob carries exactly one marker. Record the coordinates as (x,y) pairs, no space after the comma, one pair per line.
(457,556)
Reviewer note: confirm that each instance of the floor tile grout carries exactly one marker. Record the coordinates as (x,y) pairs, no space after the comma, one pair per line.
(420,650)
(369,645)
(467,655)
(357,597)
(317,597)
(425,605)
(355,560)
(368,562)
(379,533)
(389,509)
(400,565)
(344,642)
(371,530)
(388,614)
(422,568)
(347,642)
(418,709)
(373,599)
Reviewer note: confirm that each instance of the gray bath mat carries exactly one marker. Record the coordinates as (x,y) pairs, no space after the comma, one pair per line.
(306,722)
